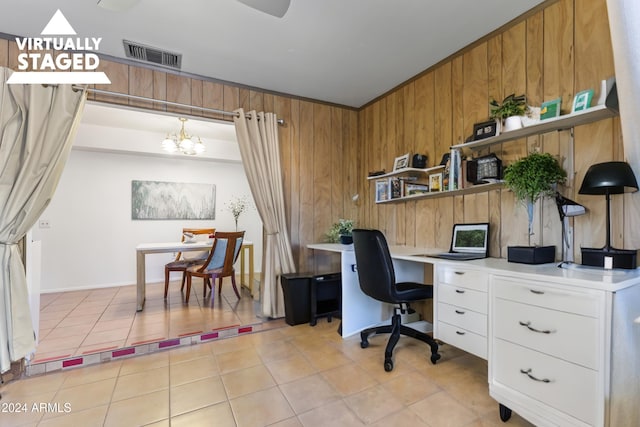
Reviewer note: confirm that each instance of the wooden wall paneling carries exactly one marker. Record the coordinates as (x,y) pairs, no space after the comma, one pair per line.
(494,71)
(423,112)
(306,185)
(458,210)
(13,55)
(197,96)
(160,89)
(426,214)
(353,175)
(4,53)
(178,91)
(372,146)
(444,220)
(292,173)
(244,99)
(457,101)
(257,101)
(119,75)
(230,98)
(476,207)
(409,137)
(443,122)
(336,147)
(140,84)
(212,97)
(322,171)
(476,87)
(403,146)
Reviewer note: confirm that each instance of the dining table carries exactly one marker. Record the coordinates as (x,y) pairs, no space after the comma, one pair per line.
(144,249)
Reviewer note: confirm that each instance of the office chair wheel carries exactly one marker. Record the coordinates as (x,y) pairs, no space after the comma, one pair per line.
(388,365)
(364,344)
(435,358)
(505,413)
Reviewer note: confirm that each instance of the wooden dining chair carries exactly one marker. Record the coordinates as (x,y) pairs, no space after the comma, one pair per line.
(219,263)
(186,259)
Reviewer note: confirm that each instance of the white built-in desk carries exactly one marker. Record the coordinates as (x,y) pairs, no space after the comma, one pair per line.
(562,344)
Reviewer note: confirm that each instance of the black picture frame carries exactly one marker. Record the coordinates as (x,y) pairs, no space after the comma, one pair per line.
(485,130)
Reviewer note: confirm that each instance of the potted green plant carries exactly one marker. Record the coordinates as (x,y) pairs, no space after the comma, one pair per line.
(531,178)
(509,112)
(341,231)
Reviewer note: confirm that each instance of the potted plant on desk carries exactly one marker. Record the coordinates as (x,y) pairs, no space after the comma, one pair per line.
(531,178)
(341,231)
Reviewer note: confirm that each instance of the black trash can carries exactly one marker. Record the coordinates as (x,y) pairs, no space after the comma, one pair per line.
(296,289)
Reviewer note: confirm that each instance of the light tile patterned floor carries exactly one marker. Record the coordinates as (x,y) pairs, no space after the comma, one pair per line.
(285,377)
(85,322)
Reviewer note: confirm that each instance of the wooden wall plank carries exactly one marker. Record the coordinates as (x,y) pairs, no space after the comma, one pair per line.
(119,75)
(306,185)
(178,91)
(4,53)
(160,89)
(212,97)
(140,84)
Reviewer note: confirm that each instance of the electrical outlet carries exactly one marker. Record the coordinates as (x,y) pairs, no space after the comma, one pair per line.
(44,223)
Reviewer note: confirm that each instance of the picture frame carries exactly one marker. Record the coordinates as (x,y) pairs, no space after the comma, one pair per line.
(435,182)
(484,130)
(382,190)
(401,162)
(582,100)
(550,109)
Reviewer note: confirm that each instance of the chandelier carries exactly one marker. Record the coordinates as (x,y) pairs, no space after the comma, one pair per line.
(183,142)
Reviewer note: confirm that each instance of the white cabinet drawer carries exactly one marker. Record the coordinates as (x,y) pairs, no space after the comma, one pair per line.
(471,279)
(463,297)
(463,339)
(463,318)
(571,337)
(542,295)
(569,388)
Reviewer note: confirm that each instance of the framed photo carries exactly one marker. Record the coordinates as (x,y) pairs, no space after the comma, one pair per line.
(401,162)
(484,130)
(550,109)
(582,100)
(382,190)
(435,182)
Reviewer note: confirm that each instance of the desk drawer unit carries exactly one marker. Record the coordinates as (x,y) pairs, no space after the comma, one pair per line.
(461,309)
(545,344)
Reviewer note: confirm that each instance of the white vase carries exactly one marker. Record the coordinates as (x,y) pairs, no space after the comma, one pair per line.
(512,123)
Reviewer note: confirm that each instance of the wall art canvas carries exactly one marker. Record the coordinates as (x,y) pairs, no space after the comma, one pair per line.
(156,200)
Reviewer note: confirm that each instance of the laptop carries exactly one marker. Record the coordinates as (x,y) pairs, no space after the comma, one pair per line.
(468,241)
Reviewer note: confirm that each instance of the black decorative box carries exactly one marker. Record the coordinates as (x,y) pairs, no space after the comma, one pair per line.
(610,258)
(531,254)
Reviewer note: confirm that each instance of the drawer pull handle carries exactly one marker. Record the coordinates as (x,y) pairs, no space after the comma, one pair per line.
(354,268)
(459,273)
(459,312)
(540,331)
(528,373)
(459,332)
(459,291)
(533,291)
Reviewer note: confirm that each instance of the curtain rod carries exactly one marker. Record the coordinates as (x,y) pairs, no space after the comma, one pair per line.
(168,103)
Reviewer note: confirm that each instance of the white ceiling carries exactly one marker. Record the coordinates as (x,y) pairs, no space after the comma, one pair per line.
(346,52)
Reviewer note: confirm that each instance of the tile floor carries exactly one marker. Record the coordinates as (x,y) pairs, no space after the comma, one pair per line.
(285,377)
(85,322)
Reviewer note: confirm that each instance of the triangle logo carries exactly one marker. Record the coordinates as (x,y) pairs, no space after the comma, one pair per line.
(58,25)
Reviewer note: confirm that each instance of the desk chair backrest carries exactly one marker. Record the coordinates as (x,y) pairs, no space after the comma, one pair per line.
(200,234)
(375,267)
(225,251)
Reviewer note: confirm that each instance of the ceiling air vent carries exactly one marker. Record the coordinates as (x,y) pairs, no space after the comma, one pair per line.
(151,54)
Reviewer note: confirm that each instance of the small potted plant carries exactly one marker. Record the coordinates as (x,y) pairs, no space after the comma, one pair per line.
(341,231)
(531,178)
(509,112)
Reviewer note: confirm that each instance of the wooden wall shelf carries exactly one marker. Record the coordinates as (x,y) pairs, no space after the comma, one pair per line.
(469,190)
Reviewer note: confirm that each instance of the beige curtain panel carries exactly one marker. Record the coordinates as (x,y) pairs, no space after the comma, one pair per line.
(260,151)
(37,129)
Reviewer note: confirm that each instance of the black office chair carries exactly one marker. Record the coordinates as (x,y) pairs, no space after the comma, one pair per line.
(378,280)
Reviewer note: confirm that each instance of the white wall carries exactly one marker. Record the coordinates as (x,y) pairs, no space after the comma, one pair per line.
(92,238)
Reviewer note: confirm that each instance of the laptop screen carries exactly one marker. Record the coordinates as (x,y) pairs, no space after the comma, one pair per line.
(470,238)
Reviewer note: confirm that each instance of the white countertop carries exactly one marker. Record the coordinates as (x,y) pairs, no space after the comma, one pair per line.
(573,274)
